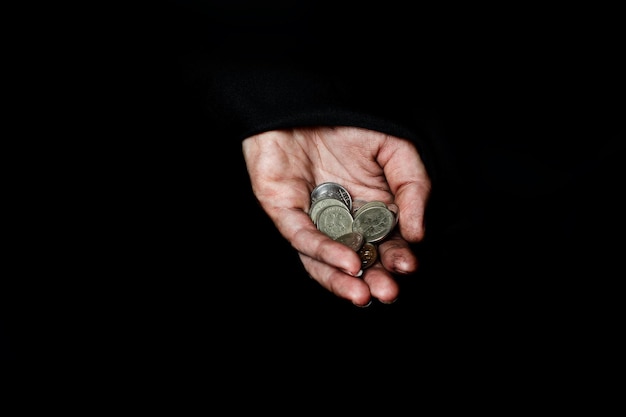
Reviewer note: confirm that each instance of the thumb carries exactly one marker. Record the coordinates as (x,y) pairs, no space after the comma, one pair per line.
(409,182)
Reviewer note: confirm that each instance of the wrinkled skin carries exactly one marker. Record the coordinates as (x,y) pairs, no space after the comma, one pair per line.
(286,165)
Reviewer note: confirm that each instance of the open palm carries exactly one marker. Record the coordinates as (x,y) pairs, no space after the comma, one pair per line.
(286,165)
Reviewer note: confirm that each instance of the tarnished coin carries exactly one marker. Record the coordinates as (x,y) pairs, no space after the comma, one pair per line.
(356,205)
(320,205)
(353,240)
(335,221)
(368,254)
(367,205)
(332,190)
(394,209)
(375,222)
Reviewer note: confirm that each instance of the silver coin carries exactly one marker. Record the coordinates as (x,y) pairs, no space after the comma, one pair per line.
(367,205)
(319,205)
(356,205)
(374,222)
(391,207)
(353,240)
(332,190)
(335,221)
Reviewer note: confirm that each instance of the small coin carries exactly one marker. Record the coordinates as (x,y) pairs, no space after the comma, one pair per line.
(353,240)
(368,254)
(332,190)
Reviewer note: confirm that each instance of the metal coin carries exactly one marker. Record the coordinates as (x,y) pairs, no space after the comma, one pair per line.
(319,205)
(368,254)
(368,205)
(353,240)
(335,221)
(332,190)
(356,205)
(374,222)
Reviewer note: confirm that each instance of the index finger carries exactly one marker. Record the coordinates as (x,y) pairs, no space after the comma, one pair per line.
(298,228)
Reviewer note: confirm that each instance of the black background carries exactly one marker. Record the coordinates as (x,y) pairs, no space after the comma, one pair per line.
(525,240)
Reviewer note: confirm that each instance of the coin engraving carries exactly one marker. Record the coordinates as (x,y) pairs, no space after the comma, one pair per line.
(320,205)
(374,222)
(335,221)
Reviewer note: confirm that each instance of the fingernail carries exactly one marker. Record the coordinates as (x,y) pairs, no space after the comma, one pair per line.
(369,303)
(358,274)
(402,267)
(389,302)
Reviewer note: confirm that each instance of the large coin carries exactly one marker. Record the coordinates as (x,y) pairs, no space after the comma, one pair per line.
(366,205)
(319,205)
(374,221)
(335,221)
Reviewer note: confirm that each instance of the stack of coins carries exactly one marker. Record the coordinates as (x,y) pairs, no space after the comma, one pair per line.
(359,227)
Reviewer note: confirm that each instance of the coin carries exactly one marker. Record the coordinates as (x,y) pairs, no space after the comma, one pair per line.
(356,205)
(332,190)
(368,254)
(335,221)
(319,205)
(375,222)
(353,240)
(367,205)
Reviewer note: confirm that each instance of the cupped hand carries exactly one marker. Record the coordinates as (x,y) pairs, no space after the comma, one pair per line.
(286,165)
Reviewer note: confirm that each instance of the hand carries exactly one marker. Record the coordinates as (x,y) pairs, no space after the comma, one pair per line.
(284,167)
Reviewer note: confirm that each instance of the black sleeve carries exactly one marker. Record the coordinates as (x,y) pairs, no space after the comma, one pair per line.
(250,70)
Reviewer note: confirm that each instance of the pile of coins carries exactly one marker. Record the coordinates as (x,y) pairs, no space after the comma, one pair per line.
(359,226)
